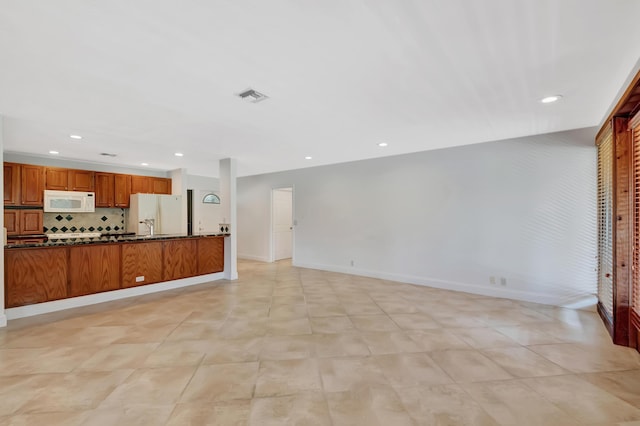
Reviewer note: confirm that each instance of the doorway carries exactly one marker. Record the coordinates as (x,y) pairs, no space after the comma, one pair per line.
(282,223)
(189,211)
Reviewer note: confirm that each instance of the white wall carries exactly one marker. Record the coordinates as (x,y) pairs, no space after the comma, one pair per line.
(179,181)
(523,209)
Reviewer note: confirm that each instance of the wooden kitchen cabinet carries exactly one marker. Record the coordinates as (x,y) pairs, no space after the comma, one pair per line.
(31,222)
(35,275)
(56,179)
(31,185)
(112,189)
(12,221)
(105,189)
(142,261)
(94,269)
(210,255)
(179,260)
(11,184)
(24,184)
(60,179)
(122,190)
(41,274)
(160,185)
(23,222)
(150,185)
(140,184)
(81,180)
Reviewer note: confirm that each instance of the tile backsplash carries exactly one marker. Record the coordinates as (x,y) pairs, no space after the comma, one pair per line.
(102,220)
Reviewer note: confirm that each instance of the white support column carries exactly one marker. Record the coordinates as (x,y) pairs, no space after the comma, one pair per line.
(3,316)
(179,187)
(229,214)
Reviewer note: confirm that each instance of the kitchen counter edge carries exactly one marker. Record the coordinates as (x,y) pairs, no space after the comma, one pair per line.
(113,239)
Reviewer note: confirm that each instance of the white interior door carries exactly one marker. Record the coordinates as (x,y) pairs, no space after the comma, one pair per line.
(206,217)
(282,223)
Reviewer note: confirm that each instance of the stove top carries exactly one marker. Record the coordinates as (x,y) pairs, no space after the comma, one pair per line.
(73,235)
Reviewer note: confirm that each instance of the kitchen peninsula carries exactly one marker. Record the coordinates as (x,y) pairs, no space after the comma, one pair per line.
(55,270)
(48,269)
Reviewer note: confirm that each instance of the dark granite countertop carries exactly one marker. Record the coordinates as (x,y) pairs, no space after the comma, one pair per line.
(112,238)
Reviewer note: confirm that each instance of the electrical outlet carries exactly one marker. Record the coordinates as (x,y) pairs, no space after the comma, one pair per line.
(492,280)
(140,279)
(503,281)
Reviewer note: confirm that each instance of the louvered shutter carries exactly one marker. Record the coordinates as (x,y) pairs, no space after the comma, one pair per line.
(635,277)
(605,221)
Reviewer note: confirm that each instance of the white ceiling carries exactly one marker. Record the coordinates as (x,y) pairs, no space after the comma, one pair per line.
(144,79)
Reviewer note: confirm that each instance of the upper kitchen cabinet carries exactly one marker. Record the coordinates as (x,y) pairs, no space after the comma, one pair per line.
(81,180)
(140,185)
(112,189)
(150,185)
(23,185)
(69,180)
(31,185)
(57,179)
(11,184)
(122,190)
(105,191)
(23,222)
(160,185)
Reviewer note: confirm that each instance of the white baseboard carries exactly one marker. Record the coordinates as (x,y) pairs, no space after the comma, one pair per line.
(250,257)
(3,320)
(526,296)
(108,296)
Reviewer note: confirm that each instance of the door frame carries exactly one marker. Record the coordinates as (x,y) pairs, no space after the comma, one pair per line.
(272,249)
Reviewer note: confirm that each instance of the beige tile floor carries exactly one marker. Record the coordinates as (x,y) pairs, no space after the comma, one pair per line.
(284,345)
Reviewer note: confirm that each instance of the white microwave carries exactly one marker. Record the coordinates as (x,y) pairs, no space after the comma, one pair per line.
(69,201)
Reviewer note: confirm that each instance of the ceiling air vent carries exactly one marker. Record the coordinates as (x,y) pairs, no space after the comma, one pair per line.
(106,154)
(253,96)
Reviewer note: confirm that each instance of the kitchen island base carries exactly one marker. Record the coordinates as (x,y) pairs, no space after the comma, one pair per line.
(108,296)
(51,278)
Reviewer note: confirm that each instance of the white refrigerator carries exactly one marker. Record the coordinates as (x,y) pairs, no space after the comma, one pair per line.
(165,210)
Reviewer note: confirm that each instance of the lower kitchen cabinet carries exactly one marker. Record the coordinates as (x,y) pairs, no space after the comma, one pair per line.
(42,274)
(94,269)
(210,255)
(179,259)
(35,275)
(141,263)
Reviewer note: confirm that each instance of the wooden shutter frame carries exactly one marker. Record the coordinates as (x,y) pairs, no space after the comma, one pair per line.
(618,322)
(623,229)
(625,329)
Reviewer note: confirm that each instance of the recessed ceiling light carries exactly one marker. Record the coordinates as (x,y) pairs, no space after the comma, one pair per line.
(551,99)
(178,154)
(383,144)
(144,164)
(54,152)
(308,157)
(75,137)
